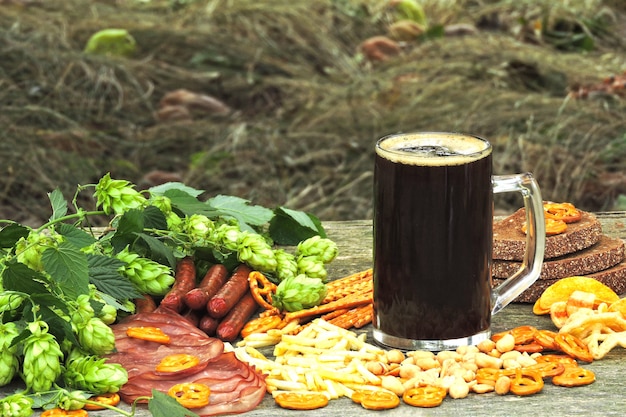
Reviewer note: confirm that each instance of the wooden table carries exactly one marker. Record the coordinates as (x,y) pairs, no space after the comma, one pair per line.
(605,397)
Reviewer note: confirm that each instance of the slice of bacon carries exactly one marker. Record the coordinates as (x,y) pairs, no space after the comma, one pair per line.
(235,386)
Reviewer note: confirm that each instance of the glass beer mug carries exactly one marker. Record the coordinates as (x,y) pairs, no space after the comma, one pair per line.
(433,238)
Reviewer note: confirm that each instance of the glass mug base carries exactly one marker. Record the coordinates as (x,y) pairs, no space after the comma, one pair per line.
(433,345)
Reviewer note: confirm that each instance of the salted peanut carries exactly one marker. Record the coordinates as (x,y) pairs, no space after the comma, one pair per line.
(486,346)
(392,384)
(409,360)
(506,343)
(470,366)
(420,354)
(482,388)
(465,349)
(448,367)
(445,355)
(395,356)
(459,389)
(486,361)
(511,364)
(513,354)
(409,371)
(377,367)
(495,353)
(526,360)
(427,363)
(468,375)
(503,385)
(445,382)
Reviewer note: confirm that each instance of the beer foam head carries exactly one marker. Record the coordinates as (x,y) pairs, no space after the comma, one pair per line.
(433,148)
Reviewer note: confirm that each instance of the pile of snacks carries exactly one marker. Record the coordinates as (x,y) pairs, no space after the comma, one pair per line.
(324,360)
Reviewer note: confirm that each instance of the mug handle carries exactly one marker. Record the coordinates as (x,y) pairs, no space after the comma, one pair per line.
(529,272)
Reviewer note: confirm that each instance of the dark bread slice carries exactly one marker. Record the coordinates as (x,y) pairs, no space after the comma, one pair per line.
(614,278)
(509,241)
(609,251)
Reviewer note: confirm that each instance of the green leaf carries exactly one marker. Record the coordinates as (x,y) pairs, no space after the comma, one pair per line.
(163,188)
(159,251)
(77,237)
(10,234)
(104,274)
(153,218)
(188,204)
(18,277)
(131,221)
(60,328)
(290,227)
(162,405)
(67,266)
(241,210)
(59,204)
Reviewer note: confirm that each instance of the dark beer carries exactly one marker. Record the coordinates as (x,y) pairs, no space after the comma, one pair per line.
(433,201)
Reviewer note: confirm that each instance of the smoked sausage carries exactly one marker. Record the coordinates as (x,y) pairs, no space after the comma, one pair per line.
(225,299)
(213,280)
(185,281)
(231,325)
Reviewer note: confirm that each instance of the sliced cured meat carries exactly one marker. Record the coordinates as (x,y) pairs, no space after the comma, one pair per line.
(235,386)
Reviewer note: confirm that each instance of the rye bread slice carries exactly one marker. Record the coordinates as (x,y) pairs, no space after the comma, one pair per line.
(609,251)
(509,241)
(614,278)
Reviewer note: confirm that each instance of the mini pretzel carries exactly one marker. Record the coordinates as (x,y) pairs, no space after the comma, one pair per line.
(301,400)
(526,382)
(574,376)
(546,339)
(573,346)
(522,334)
(547,369)
(427,396)
(376,399)
(262,290)
(563,359)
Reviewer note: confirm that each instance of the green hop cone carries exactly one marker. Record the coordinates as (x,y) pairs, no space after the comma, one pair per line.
(312,267)
(16,405)
(84,311)
(286,265)
(9,363)
(117,196)
(30,249)
(42,358)
(72,400)
(113,41)
(94,374)
(227,236)
(298,293)
(148,276)
(254,250)
(325,249)
(108,314)
(96,337)
(10,301)
(198,227)
(161,202)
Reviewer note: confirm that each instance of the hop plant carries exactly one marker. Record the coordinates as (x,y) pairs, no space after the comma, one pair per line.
(117,196)
(9,363)
(30,249)
(96,337)
(16,405)
(84,311)
(148,276)
(42,358)
(93,374)
(324,249)
(254,250)
(312,267)
(286,265)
